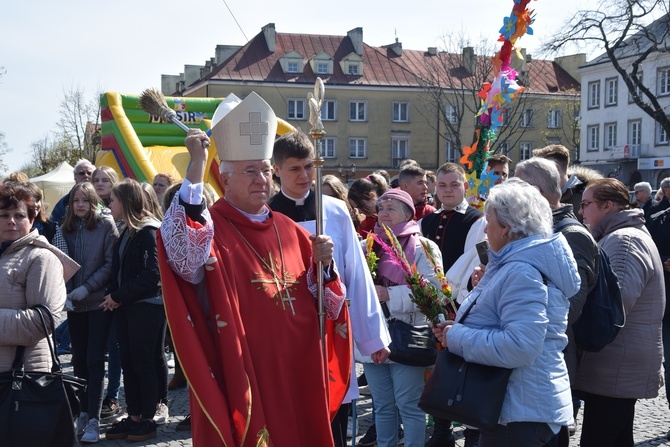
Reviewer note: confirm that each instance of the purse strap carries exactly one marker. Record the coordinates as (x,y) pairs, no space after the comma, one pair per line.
(385,309)
(41,310)
(467,311)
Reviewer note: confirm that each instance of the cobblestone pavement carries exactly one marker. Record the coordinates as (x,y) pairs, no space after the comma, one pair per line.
(652,421)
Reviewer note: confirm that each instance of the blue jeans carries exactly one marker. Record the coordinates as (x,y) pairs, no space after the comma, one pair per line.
(89,332)
(113,364)
(392,385)
(62,334)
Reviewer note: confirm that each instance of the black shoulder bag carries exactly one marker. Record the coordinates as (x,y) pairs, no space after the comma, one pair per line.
(410,345)
(39,408)
(466,392)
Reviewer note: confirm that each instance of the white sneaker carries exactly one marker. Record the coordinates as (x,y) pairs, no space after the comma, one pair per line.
(92,432)
(82,423)
(162,414)
(170,360)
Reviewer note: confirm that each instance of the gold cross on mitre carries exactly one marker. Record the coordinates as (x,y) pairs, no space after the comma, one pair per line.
(282,284)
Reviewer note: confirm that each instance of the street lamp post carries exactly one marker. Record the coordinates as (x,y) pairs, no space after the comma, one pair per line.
(345,172)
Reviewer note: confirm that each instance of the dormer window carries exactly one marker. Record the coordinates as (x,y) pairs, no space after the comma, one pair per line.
(352,64)
(322,64)
(292,62)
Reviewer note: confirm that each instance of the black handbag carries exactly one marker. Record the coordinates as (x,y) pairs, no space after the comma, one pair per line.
(39,408)
(410,345)
(462,391)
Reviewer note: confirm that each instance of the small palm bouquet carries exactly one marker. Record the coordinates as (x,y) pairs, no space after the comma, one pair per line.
(432,302)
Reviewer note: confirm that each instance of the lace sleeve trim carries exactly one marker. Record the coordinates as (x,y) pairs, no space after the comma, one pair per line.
(188,247)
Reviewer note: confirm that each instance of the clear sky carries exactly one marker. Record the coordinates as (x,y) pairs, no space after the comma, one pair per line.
(125,45)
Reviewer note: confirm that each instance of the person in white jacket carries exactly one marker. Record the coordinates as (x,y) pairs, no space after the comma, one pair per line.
(392,384)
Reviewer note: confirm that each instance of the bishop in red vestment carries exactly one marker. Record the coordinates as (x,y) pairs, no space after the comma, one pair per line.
(239,285)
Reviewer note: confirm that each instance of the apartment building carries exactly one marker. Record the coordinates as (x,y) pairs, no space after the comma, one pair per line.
(380,106)
(618,138)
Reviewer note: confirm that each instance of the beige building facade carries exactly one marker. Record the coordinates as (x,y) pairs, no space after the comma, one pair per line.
(379,107)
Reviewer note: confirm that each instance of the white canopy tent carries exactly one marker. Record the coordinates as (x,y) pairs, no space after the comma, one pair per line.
(55,184)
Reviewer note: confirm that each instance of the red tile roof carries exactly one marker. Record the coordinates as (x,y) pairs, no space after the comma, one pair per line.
(381,65)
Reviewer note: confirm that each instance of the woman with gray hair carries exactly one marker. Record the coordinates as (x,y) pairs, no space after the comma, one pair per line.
(520,316)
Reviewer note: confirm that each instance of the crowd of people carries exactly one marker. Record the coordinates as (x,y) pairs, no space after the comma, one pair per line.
(238,281)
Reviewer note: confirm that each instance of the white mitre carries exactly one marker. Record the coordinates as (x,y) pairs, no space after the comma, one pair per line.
(244,130)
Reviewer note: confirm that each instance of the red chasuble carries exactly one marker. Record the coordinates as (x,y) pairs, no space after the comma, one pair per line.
(254,362)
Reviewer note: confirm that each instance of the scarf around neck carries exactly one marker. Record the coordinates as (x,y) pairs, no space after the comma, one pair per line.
(408,236)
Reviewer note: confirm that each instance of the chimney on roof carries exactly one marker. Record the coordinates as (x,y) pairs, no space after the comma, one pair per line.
(356,37)
(170,84)
(223,52)
(469,60)
(270,36)
(520,64)
(432,51)
(571,64)
(396,47)
(191,74)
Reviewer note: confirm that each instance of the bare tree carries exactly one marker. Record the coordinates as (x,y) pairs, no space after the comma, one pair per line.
(622,29)
(452,80)
(48,153)
(79,120)
(566,123)
(4,149)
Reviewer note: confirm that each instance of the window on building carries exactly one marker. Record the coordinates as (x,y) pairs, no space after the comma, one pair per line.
(451,154)
(328,145)
(292,66)
(593,136)
(634,133)
(610,136)
(358,147)
(399,150)
(358,111)
(329,110)
(502,147)
(663,77)
(296,109)
(353,69)
(525,150)
(451,115)
(637,89)
(611,91)
(594,95)
(527,118)
(322,67)
(661,135)
(505,117)
(400,112)
(554,119)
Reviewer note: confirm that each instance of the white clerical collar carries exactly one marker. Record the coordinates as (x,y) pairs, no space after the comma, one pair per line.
(300,201)
(260,217)
(461,208)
